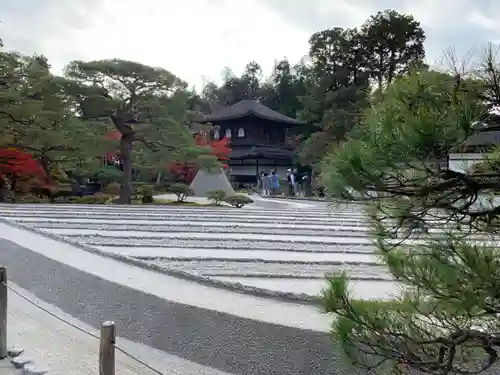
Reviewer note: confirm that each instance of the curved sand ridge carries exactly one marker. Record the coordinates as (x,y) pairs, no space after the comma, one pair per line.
(284,251)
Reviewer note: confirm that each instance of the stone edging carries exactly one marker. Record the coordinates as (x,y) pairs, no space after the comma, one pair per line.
(19,360)
(312,199)
(236,287)
(24,363)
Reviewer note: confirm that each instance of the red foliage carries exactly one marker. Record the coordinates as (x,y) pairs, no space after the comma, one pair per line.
(14,162)
(186,171)
(112,156)
(114,135)
(220,149)
(183,172)
(20,167)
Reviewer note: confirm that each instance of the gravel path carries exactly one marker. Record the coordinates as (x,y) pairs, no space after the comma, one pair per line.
(66,350)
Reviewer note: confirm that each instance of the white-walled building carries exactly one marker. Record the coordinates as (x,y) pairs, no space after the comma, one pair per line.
(475,150)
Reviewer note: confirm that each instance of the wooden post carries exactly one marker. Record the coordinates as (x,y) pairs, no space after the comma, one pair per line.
(107,349)
(3,312)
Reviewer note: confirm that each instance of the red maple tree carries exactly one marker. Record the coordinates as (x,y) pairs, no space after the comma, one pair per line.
(19,166)
(187,171)
(112,156)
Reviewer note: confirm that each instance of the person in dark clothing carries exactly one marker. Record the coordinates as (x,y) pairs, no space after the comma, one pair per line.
(306,185)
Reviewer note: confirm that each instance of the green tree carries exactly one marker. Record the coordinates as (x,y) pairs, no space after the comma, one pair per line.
(233,88)
(289,86)
(38,116)
(210,95)
(392,43)
(13,68)
(280,92)
(146,105)
(336,90)
(343,61)
(446,319)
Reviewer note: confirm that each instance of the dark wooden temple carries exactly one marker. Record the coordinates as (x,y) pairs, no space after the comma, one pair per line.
(260,139)
(484,139)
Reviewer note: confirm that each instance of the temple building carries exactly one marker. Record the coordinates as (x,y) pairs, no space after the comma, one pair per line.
(260,138)
(476,147)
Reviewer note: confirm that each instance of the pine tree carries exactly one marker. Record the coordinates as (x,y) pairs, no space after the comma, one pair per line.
(146,105)
(446,319)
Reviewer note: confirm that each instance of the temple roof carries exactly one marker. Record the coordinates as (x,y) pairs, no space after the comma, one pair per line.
(486,135)
(487,132)
(247,108)
(489,137)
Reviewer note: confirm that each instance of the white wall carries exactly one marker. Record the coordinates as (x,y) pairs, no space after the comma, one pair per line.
(463,162)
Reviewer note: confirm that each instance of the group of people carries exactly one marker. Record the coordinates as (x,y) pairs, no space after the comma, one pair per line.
(297,185)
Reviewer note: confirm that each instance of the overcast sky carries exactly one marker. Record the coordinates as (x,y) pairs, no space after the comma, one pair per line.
(198,38)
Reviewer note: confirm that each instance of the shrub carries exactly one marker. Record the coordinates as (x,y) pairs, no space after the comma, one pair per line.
(105,175)
(217,196)
(91,199)
(112,188)
(52,191)
(28,198)
(140,187)
(147,196)
(238,200)
(163,188)
(182,191)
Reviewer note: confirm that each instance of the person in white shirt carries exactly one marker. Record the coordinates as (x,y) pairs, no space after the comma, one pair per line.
(291,183)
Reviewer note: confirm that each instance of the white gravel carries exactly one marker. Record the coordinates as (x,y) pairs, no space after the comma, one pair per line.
(220,243)
(255,248)
(291,237)
(200,253)
(285,270)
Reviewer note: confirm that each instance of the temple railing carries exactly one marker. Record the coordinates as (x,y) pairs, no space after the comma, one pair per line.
(250,141)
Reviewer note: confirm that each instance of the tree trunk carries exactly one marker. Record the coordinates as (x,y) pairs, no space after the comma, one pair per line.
(126,190)
(3,189)
(13,187)
(392,68)
(380,74)
(45,163)
(13,183)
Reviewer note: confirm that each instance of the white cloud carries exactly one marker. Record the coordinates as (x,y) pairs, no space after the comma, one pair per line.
(197,38)
(447,23)
(192,39)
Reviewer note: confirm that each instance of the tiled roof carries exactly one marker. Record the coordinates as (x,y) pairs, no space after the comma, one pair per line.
(246,108)
(489,137)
